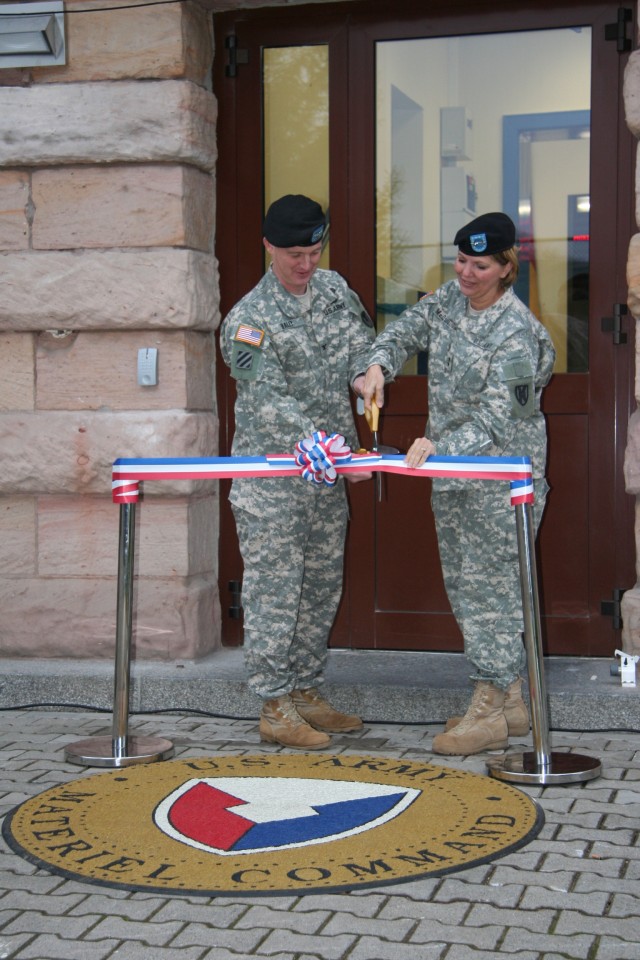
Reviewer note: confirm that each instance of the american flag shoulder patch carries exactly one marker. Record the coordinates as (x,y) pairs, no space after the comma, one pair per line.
(251,335)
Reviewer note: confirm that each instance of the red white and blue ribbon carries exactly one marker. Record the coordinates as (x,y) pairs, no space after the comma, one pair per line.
(319,454)
(320,465)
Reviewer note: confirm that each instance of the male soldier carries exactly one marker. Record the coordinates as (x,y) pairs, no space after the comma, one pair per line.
(295,344)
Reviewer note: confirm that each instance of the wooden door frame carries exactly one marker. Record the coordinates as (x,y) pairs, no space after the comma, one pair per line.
(353,233)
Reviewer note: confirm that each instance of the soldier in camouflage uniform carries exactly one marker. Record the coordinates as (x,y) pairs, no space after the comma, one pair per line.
(488,361)
(295,345)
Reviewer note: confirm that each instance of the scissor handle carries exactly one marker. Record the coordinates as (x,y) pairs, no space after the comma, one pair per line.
(372,416)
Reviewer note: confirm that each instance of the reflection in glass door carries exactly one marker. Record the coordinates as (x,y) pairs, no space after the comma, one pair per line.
(455,140)
(295,84)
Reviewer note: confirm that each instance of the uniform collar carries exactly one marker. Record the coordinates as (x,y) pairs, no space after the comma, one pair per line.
(290,305)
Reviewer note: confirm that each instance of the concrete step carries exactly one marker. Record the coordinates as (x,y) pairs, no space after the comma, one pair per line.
(380,685)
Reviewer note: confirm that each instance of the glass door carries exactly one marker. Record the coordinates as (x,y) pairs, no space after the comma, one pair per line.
(446,152)
(453,140)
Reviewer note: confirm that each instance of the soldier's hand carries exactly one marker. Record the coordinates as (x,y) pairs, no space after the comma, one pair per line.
(357,477)
(358,384)
(420,449)
(373,386)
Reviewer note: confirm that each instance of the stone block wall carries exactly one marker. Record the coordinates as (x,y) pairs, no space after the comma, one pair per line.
(107,246)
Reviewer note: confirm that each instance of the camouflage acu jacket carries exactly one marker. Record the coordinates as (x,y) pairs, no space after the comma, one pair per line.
(293,367)
(486,371)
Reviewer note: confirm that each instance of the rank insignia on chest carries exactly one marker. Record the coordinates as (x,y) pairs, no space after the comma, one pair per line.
(251,335)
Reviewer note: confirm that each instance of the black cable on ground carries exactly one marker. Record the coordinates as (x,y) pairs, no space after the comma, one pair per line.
(225,716)
(141,713)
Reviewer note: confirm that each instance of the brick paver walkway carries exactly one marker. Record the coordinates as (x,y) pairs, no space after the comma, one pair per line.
(571,894)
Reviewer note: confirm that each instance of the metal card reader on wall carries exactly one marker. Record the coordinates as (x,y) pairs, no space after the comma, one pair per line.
(148,367)
(627,668)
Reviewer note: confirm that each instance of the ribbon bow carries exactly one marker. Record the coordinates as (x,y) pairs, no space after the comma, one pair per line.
(318,455)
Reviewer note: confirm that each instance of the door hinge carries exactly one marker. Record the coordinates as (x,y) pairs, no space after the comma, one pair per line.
(235,607)
(614,324)
(236,56)
(613,609)
(618,31)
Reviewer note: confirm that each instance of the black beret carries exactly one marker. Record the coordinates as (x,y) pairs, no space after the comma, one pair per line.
(490,233)
(294,221)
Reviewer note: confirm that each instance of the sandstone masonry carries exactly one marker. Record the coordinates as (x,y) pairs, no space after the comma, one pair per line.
(106,246)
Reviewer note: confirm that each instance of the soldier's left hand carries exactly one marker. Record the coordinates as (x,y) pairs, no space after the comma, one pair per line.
(420,449)
(358,477)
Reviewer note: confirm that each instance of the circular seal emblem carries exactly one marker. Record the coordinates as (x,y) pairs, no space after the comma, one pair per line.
(270,824)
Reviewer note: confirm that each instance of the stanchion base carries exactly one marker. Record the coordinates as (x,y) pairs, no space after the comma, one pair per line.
(104,752)
(561,768)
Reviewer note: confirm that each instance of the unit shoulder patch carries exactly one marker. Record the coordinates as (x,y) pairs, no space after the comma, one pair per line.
(359,310)
(247,352)
(518,376)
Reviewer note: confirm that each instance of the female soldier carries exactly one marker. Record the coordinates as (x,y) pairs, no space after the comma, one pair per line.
(488,360)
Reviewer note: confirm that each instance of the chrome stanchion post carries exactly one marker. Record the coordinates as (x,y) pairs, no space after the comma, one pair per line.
(120,749)
(540,766)
(533,635)
(124,622)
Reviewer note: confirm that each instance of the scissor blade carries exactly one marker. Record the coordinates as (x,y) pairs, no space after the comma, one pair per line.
(372,417)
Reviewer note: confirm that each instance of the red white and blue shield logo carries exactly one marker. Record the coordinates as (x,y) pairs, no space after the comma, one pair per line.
(235,815)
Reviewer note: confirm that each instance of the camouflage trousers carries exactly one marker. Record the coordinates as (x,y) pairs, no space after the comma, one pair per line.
(478,547)
(291,588)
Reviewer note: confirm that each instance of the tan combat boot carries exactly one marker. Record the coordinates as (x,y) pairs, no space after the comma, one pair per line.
(320,714)
(281,723)
(483,726)
(515,711)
